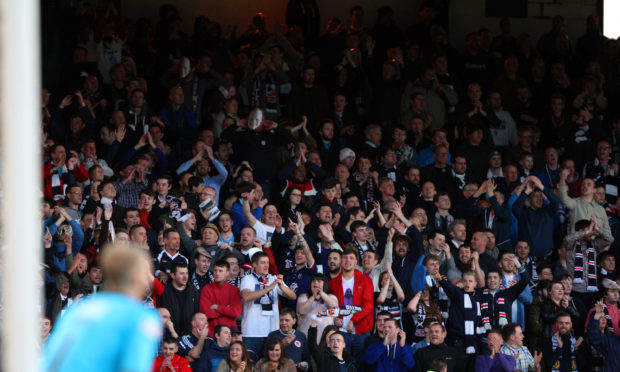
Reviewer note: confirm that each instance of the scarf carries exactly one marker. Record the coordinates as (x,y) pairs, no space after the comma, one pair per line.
(580,274)
(360,250)
(265,301)
(58,184)
(530,266)
(610,325)
(460,178)
(270,91)
(227,92)
(236,281)
(556,366)
(370,186)
(488,315)
(106,201)
(418,319)
(199,281)
(271,96)
(471,317)
(442,223)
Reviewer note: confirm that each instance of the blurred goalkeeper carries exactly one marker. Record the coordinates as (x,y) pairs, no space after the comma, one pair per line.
(112,331)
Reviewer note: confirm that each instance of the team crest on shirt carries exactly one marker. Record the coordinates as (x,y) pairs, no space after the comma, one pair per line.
(297,343)
(294,287)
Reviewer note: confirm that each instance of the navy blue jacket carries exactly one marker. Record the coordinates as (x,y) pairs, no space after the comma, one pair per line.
(536,226)
(403,267)
(608,345)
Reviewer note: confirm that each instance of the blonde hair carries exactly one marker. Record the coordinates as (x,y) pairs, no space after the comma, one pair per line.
(470,273)
(120,263)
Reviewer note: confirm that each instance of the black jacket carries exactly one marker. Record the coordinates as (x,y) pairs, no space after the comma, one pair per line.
(258,147)
(181,316)
(453,357)
(326,361)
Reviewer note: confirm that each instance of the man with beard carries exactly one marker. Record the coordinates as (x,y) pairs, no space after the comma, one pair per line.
(334,262)
(407,249)
(559,350)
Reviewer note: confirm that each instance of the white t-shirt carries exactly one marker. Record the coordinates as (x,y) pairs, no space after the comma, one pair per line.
(263,232)
(347,294)
(256,322)
(304,321)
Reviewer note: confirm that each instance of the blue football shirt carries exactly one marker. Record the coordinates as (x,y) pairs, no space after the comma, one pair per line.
(107,332)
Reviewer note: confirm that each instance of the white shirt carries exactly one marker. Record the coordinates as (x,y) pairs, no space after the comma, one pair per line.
(347,284)
(254,323)
(263,232)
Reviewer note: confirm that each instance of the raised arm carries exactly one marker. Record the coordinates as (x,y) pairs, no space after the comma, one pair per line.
(566,200)
(400,294)
(298,230)
(247,212)
(284,290)
(412,306)
(314,348)
(476,266)
(384,290)
(597,338)
(221,169)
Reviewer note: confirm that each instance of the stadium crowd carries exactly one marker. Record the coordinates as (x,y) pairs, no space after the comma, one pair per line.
(362,198)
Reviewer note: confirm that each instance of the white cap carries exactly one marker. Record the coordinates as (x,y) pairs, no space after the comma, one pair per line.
(253,250)
(345,153)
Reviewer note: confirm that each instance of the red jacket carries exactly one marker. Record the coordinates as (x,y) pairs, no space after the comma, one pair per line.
(363,295)
(179,363)
(273,268)
(157,289)
(228,299)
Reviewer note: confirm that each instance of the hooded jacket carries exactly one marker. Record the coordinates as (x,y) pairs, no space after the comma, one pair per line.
(211,356)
